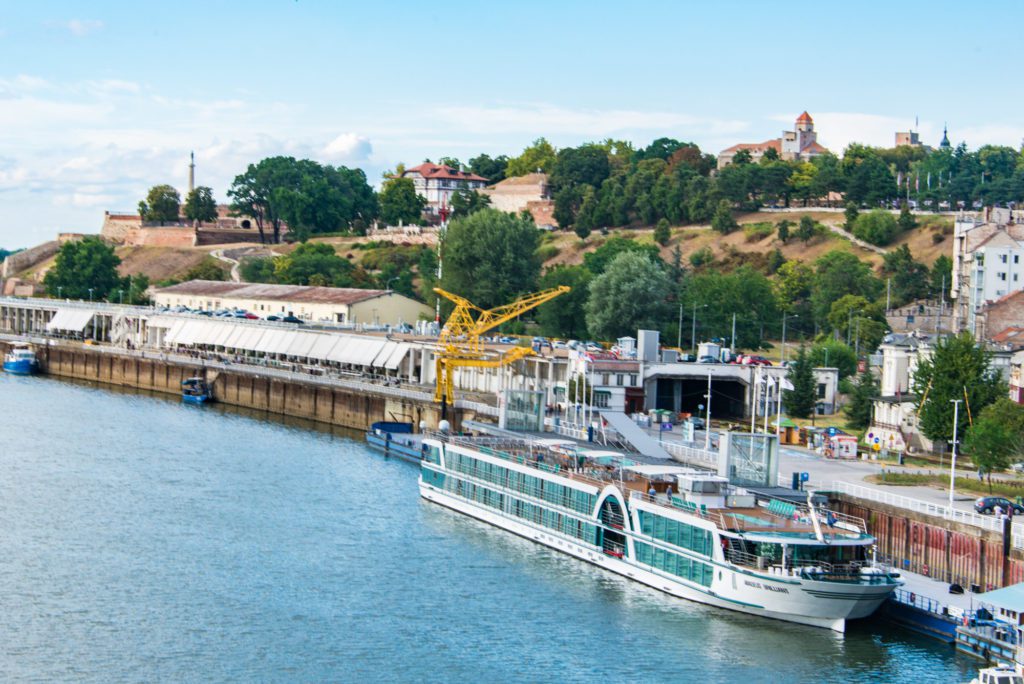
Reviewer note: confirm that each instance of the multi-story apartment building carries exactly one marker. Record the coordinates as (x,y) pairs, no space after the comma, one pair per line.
(988,264)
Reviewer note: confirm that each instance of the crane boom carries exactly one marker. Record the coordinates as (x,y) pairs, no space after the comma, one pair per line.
(460,343)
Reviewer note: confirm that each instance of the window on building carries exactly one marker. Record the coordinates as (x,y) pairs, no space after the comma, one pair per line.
(1001,275)
(632,381)
(1014,277)
(1002,258)
(821,390)
(1016,258)
(980,259)
(618,379)
(605,378)
(601,399)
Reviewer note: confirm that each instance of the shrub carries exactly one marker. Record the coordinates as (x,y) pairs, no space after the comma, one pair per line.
(938,237)
(877,227)
(662,232)
(702,257)
(547,252)
(755,232)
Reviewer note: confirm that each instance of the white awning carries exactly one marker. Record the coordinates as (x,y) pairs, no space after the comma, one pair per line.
(237,333)
(383,354)
(302,343)
(339,352)
(224,331)
(249,340)
(72,320)
(397,356)
(323,346)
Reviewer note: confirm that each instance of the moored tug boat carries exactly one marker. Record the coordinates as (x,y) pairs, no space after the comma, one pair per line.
(21,361)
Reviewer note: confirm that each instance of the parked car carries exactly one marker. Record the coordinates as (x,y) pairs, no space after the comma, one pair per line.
(698,423)
(987,504)
(1017,467)
(755,360)
(709,359)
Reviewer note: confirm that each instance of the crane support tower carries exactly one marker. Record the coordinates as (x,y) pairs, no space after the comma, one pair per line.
(459,344)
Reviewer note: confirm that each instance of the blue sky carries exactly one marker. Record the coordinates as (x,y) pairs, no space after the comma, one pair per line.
(101,100)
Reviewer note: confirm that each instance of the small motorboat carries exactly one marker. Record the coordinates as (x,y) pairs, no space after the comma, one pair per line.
(195,391)
(21,361)
(1000,674)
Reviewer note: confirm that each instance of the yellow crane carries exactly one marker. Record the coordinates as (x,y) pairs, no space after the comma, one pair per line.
(459,343)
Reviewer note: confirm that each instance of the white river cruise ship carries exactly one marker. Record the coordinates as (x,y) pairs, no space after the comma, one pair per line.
(682,531)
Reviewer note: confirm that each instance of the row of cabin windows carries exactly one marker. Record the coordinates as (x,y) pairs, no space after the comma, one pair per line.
(560,495)
(433,477)
(676,533)
(681,566)
(538,515)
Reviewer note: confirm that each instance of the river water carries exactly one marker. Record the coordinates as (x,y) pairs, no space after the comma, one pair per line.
(145,540)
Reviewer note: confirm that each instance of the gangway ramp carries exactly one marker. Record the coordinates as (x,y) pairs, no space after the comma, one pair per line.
(633,435)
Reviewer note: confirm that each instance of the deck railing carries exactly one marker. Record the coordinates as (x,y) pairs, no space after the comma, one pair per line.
(930,508)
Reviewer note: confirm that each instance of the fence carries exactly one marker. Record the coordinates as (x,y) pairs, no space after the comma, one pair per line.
(990,523)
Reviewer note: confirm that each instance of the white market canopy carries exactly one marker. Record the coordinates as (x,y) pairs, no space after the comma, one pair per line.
(71,320)
(243,336)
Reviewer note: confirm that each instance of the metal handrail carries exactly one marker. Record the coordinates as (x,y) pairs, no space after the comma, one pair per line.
(927,507)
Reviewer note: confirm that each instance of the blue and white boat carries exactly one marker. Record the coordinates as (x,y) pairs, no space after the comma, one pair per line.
(396,439)
(21,361)
(685,532)
(195,391)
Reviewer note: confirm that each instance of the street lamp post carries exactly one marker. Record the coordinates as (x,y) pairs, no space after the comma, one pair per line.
(59,290)
(785,317)
(120,296)
(952,465)
(90,295)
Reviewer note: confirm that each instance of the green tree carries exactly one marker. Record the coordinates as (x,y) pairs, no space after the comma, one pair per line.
(565,316)
(940,278)
(806,229)
(628,296)
(200,205)
(723,220)
(834,354)
(908,278)
(399,202)
(81,266)
(906,220)
(802,399)
(859,409)
(745,292)
(314,264)
(957,368)
(490,257)
(207,269)
(662,232)
(839,273)
(597,261)
(491,169)
(466,202)
(257,270)
(162,204)
(850,215)
(991,446)
(323,199)
(783,229)
(583,165)
(539,156)
(877,227)
(863,321)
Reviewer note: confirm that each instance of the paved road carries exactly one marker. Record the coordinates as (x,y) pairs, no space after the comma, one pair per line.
(822,472)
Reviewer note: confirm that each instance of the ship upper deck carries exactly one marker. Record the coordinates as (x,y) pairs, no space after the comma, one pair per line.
(638,478)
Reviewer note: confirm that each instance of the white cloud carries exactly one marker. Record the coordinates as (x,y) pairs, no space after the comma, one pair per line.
(82,27)
(349,148)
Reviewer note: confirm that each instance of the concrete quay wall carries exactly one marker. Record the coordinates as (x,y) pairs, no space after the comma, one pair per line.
(946,550)
(245,387)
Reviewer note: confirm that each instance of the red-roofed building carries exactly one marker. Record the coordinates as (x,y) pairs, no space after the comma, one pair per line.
(437,183)
(800,144)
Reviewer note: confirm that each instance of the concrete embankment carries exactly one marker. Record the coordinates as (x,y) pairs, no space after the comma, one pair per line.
(946,550)
(351,404)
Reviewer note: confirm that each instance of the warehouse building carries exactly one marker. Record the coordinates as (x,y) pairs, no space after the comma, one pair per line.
(345,305)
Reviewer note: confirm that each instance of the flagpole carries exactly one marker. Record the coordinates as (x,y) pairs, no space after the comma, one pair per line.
(767,387)
(778,401)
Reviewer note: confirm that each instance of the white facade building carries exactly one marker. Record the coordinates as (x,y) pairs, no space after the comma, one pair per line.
(988,262)
(343,305)
(437,183)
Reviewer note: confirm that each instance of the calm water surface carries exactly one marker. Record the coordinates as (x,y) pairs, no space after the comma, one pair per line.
(144,540)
